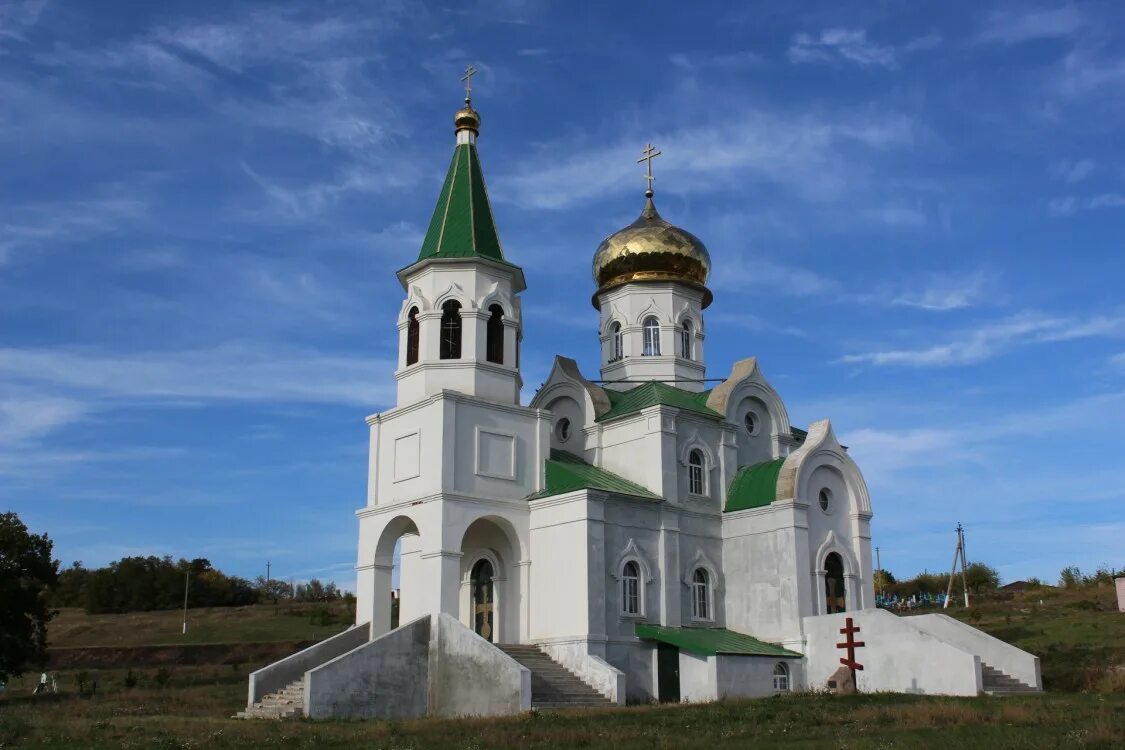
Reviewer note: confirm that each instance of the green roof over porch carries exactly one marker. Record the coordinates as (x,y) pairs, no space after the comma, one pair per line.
(712,641)
(567,472)
(754,486)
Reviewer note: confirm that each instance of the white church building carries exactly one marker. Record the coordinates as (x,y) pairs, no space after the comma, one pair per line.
(638,534)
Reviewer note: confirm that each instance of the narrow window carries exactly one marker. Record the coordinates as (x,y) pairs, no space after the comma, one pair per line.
(616,347)
(451,330)
(630,589)
(700,595)
(695,473)
(652,337)
(685,340)
(412,336)
(781,678)
(495,337)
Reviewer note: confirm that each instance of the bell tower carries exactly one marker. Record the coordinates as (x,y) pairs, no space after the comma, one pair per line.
(460,325)
(651,294)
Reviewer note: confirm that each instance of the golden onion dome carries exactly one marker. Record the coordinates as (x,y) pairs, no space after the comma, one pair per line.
(467,118)
(651,249)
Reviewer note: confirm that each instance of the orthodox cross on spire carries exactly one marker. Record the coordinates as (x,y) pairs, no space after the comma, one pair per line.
(470,71)
(647,155)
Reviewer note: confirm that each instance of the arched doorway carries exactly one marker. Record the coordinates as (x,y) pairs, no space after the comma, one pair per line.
(834,597)
(395,582)
(483,601)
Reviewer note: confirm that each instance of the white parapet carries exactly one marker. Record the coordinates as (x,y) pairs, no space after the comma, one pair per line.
(897,655)
(992,651)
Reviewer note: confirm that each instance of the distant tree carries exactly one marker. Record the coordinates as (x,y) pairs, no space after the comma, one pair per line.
(1034,583)
(1070,577)
(882,579)
(70,591)
(316,591)
(273,589)
(26,573)
(981,578)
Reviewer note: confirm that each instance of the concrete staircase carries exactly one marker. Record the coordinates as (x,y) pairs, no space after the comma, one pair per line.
(284,704)
(998,683)
(552,685)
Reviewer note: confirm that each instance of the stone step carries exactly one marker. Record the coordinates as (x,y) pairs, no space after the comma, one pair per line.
(995,682)
(287,703)
(553,686)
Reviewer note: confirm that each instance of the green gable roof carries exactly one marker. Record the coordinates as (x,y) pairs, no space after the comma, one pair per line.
(754,486)
(567,472)
(623,403)
(462,225)
(711,641)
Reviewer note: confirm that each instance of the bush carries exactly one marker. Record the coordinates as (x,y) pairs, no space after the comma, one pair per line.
(13,729)
(130,680)
(163,677)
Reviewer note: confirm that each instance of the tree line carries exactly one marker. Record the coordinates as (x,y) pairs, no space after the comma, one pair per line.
(139,584)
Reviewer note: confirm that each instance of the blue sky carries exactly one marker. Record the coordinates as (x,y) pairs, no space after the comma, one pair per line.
(915,218)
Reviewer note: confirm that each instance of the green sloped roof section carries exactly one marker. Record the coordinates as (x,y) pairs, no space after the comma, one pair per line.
(754,486)
(462,225)
(623,403)
(712,641)
(567,472)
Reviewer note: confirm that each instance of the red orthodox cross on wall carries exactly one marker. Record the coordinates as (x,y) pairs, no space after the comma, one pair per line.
(851,644)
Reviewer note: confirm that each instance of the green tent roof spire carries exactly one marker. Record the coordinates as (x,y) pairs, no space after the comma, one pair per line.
(462,225)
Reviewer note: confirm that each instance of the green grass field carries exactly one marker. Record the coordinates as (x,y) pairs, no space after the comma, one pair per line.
(1079,635)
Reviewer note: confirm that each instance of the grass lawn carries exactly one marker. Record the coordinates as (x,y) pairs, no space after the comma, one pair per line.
(1079,636)
(254,624)
(194,715)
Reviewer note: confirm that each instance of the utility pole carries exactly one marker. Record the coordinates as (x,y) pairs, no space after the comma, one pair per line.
(267,578)
(958,554)
(879,567)
(187,578)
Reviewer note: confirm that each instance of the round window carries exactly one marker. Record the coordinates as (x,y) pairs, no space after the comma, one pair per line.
(562,430)
(751,422)
(825,500)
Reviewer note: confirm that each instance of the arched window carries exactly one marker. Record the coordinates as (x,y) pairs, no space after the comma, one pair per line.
(700,595)
(696,474)
(412,336)
(616,346)
(451,330)
(781,678)
(834,596)
(685,340)
(631,589)
(494,344)
(652,337)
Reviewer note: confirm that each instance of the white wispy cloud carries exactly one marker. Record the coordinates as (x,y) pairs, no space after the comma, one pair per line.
(17,16)
(1087,70)
(840,45)
(821,157)
(27,416)
(694,62)
(945,293)
(1022,24)
(1069,205)
(1072,171)
(223,373)
(42,224)
(993,339)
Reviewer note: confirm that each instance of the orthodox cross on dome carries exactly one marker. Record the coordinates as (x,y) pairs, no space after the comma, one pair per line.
(851,644)
(647,155)
(470,71)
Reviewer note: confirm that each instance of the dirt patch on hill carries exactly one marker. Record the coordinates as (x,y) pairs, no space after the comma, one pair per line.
(102,657)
